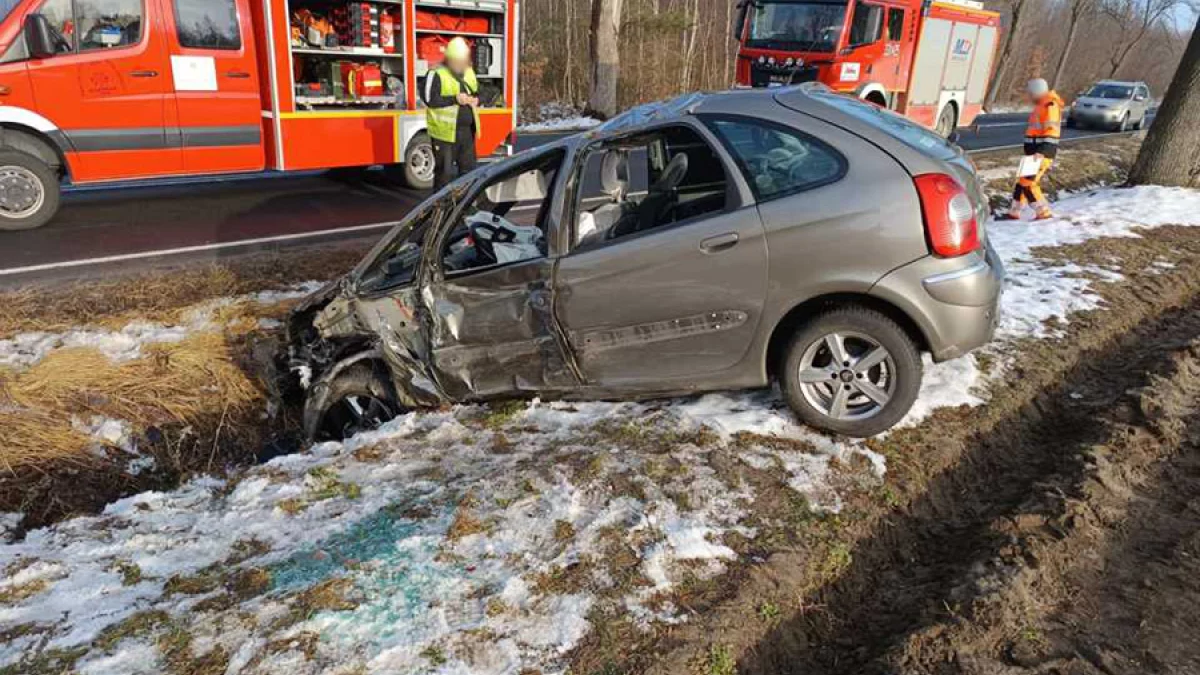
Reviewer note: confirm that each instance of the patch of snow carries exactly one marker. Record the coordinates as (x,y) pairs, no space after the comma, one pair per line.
(9,522)
(555,117)
(1037,292)
(27,349)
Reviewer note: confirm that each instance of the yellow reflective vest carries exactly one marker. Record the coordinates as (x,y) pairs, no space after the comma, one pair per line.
(442,122)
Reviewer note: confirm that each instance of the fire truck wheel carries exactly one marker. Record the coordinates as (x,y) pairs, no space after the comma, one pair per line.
(947,121)
(418,162)
(29,191)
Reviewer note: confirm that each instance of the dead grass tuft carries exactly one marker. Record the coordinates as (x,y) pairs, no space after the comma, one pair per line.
(162,295)
(191,383)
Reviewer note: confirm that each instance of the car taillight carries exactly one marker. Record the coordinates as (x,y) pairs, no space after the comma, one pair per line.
(950,222)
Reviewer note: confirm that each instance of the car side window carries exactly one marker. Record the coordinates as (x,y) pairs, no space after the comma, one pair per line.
(777,160)
(208,24)
(646,182)
(94,25)
(505,222)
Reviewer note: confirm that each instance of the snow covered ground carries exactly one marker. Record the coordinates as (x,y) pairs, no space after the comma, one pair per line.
(558,117)
(473,540)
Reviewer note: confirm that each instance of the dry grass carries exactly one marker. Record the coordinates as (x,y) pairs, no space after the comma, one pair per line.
(195,405)
(187,383)
(162,295)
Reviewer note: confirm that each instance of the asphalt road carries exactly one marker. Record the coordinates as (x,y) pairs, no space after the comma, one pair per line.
(99,229)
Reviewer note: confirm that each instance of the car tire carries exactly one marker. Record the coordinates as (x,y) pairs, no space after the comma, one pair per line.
(419,163)
(871,401)
(947,122)
(358,399)
(29,191)
(1123,125)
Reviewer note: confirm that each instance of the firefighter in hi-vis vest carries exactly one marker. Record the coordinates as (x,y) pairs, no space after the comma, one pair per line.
(452,113)
(1041,141)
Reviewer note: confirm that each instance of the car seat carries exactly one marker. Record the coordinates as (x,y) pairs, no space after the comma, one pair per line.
(660,199)
(614,183)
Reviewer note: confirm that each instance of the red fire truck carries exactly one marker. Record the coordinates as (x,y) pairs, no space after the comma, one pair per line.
(929,60)
(114,90)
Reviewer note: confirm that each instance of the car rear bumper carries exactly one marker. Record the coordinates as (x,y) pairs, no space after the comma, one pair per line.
(954,302)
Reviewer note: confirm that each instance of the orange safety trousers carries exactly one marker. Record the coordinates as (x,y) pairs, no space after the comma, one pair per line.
(1029,191)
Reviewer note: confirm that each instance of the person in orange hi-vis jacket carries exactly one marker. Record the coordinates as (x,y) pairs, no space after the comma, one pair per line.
(1041,141)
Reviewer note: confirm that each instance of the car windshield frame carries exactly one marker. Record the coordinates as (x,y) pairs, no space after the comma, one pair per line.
(1101,91)
(829,13)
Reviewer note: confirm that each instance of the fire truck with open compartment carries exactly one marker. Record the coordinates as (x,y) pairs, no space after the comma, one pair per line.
(930,60)
(116,90)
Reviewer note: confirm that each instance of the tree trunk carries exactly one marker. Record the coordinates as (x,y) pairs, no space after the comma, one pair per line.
(1072,29)
(1005,53)
(606,57)
(1171,153)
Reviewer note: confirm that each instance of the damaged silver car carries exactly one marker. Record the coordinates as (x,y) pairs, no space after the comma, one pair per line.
(715,242)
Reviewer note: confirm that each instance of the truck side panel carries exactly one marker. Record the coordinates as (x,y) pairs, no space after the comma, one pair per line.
(981,67)
(928,66)
(953,63)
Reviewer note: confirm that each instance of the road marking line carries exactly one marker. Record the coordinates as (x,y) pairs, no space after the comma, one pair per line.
(202,248)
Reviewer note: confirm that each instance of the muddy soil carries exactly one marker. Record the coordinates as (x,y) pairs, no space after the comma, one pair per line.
(1082,456)
(978,526)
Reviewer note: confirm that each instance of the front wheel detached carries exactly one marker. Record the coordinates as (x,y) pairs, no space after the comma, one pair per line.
(29,191)
(851,371)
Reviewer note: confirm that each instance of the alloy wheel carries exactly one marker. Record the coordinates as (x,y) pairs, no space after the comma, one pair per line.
(847,376)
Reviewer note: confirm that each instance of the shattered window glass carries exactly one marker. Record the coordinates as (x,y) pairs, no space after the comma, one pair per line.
(398,262)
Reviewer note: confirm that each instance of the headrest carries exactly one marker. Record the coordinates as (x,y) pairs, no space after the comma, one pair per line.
(614,172)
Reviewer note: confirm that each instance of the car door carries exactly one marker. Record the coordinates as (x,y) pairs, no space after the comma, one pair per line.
(491,323)
(662,294)
(865,45)
(107,88)
(215,81)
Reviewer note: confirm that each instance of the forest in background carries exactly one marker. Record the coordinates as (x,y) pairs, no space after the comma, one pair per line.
(667,47)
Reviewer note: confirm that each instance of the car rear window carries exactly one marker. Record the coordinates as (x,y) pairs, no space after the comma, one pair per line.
(901,128)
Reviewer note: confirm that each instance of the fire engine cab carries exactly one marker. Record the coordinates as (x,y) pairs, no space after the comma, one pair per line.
(95,91)
(928,60)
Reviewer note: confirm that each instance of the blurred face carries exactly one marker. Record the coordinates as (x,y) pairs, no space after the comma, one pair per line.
(458,65)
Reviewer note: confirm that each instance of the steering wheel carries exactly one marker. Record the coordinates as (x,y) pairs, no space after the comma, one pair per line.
(496,234)
(673,175)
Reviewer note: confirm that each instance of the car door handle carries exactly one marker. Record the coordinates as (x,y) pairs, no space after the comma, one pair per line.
(144,73)
(721,242)
(238,74)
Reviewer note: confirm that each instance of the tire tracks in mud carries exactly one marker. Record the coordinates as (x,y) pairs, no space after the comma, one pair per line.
(919,577)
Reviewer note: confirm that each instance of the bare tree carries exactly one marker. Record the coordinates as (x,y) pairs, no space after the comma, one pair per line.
(1006,50)
(1075,12)
(1171,153)
(606,56)
(1135,19)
